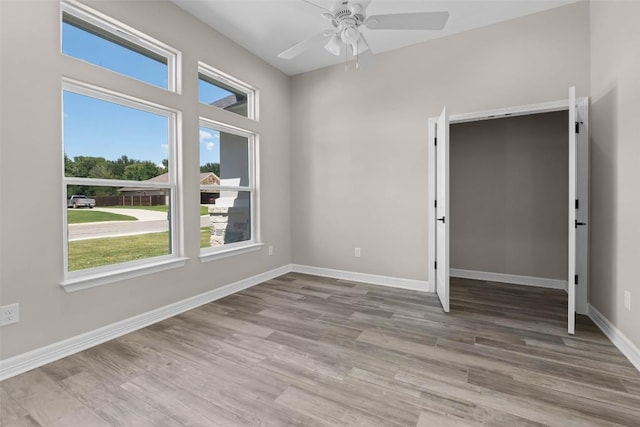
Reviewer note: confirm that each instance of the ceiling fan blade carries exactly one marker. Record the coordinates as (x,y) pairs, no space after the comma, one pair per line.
(365,56)
(365,60)
(316,5)
(408,21)
(361,46)
(304,45)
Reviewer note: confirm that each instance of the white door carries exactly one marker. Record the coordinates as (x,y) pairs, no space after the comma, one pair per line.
(578,208)
(442,209)
(574,203)
(582,205)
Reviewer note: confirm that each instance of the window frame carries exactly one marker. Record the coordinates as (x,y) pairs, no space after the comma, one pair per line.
(131,36)
(80,279)
(212,253)
(234,83)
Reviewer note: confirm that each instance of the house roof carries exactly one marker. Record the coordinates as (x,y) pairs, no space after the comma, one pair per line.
(206,178)
(230,101)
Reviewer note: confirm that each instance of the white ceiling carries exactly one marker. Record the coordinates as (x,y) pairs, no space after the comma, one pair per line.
(267,27)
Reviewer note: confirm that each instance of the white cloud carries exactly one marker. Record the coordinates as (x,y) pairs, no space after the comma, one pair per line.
(165,148)
(204,135)
(210,145)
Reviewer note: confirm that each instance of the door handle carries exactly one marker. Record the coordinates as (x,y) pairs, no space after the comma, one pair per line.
(580,223)
(441,219)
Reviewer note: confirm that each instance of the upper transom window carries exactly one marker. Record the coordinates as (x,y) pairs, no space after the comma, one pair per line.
(222,91)
(91,37)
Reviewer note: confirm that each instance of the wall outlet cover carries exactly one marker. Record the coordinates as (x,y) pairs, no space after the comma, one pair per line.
(9,314)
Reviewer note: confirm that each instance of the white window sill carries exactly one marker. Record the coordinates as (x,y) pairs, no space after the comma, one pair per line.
(79,281)
(230,251)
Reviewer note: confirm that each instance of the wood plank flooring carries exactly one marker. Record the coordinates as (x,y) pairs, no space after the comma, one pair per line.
(310,351)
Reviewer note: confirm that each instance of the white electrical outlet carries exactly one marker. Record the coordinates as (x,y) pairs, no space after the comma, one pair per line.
(9,314)
(627,300)
(270,250)
(357,252)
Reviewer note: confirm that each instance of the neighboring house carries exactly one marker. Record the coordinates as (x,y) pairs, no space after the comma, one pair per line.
(236,103)
(206,178)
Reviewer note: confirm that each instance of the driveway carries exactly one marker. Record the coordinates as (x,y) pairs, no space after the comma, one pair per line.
(148,222)
(141,214)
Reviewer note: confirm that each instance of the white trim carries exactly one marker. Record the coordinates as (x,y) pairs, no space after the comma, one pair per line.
(431,191)
(513,279)
(373,279)
(520,110)
(90,278)
(617,338)
(50,353)
(226,252)
(105,182)
(221,127)
(114,97)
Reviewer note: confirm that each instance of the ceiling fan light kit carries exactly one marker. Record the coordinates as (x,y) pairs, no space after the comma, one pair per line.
(347,17)
(333,45)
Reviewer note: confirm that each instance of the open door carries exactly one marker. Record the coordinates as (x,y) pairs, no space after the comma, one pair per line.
(578,208)
(442,209)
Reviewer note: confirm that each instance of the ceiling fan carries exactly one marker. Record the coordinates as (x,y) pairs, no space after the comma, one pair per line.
(348,16)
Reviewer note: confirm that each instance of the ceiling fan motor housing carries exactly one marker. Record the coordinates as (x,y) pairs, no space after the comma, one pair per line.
(347,19)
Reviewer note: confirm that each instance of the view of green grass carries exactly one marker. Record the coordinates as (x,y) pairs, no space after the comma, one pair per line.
(92,253)
(160,208)
(77,216)
(205,237)
(112,250)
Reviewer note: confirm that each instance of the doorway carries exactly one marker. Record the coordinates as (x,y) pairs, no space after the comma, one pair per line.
(575,197)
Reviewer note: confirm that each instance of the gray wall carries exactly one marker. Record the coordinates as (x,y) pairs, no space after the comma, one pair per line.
(508,195)
(615,157)
(31,257)
(359,139)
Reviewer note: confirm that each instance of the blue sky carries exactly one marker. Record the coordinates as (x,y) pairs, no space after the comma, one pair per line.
(98,128)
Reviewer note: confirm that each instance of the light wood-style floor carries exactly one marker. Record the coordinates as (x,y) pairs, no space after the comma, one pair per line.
(309,351)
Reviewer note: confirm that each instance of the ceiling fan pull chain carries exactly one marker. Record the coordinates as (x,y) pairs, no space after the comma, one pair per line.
(346,59)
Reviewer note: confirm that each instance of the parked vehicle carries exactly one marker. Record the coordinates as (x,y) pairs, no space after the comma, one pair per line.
(80,201)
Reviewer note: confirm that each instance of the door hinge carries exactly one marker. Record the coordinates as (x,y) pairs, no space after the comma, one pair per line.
(435,264)
(578,126)
(577,204)
(435,141)
(575,279)
(435,203)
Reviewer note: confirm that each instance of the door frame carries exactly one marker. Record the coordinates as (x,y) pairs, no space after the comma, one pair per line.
(521,110)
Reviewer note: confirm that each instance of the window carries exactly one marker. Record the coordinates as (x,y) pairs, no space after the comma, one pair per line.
(223,91)
(119,158)
(88,36)
(227,187)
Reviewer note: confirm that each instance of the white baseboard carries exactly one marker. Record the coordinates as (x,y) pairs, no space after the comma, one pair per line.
(617,338)
(50,353)
(509,278)
(374,279)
